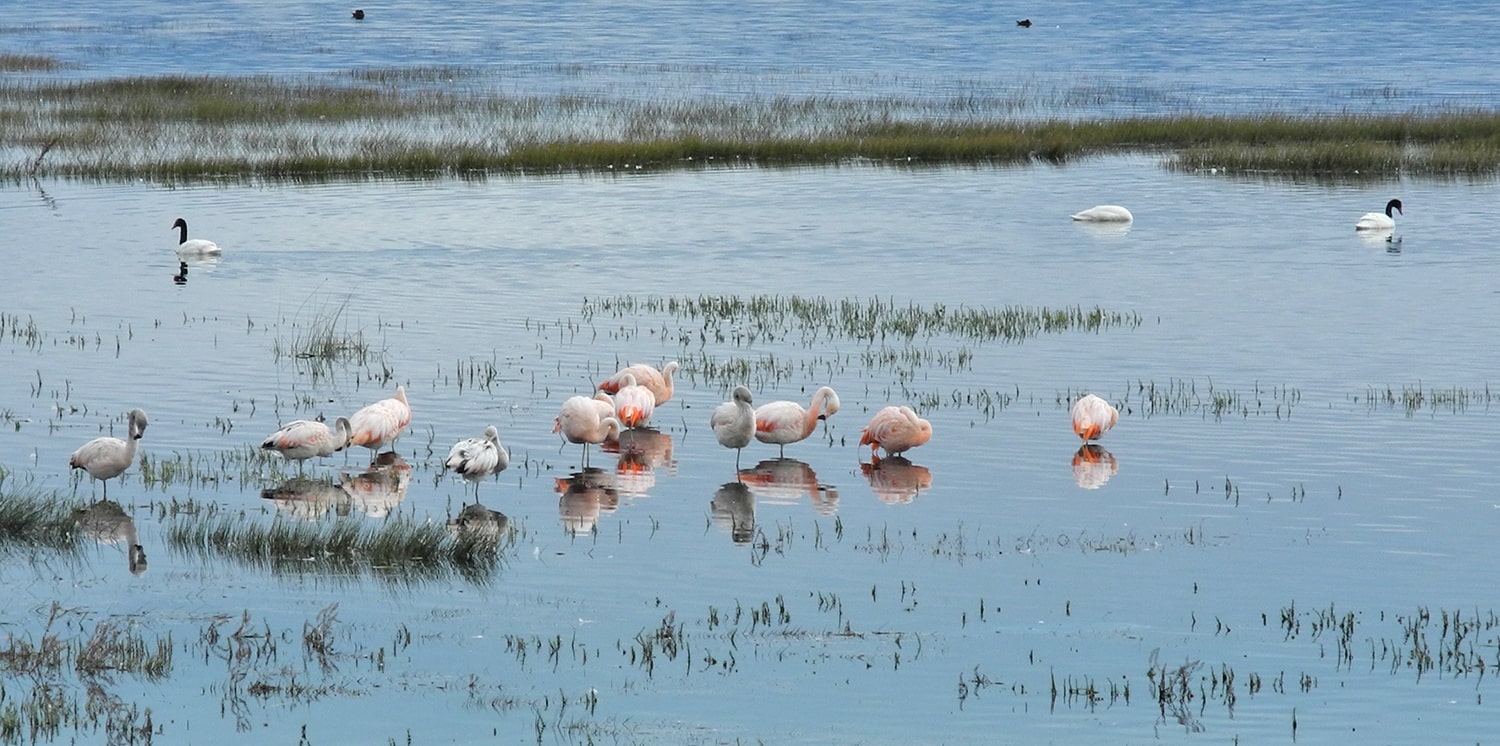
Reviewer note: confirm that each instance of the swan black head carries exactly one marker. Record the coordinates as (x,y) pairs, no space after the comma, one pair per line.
(359,14)
(1024,23)
(1394,204)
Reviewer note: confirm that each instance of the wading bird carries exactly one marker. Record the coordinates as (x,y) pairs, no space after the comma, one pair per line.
(633,402)
(783,422)
(380,424)
(896,429)
(302,439)
(658,381)
(1093,417)
(733,422)
(106,457)
(582,420)
(477,459)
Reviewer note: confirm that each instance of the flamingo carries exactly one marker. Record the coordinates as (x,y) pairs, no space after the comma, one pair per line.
(302,439)
(582,420)
(475,459)
(195,247)
(896,429)
(1374,221)
(658,381)
(380,424)
(733,422)
(1104,214)
(633,403)
(106,457)
(1093,417)
(782,422)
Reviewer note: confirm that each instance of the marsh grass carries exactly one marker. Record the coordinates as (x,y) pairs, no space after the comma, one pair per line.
(325,340)
(397,548)
(28,63)
(31,517)
(437,120)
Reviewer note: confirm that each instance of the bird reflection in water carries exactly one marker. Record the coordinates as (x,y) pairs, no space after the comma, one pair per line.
(643,451)
(585,495)
(308,499)
(733,507)
(786,480)
(895,479)
(479,522)
(379,488)
(107,523)
(1093,466)
(181,277)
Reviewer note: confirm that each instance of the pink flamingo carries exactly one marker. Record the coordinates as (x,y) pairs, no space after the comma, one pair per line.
(896,429)
(782,422)
(106,457)
(633,403)
(582,420)
(658,381)
(1093,417)
(381,423)
(300,440)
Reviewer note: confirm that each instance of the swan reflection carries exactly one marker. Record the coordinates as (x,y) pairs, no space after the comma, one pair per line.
(1093,466)
(584,496)
(1104,229)
(895,479)
(786,480)
(733,508)
(477,521)
(107,523)
(379,488)
(308,499)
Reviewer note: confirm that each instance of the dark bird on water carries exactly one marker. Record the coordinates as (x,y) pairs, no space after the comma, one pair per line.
(1024,23)
(359,14)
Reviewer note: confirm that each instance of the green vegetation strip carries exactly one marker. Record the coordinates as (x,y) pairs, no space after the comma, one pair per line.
(429,122)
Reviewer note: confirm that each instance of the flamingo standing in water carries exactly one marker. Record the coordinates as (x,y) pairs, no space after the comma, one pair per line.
(106,457)
(896,429)
(1093,417)
(380,424)
(633,403)
(582,420)
(476,459)
(733,422)
(195,247)
(658,381)
(782,422)
(302,439)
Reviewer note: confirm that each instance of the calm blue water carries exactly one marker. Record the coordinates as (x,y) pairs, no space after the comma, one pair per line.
(938,602)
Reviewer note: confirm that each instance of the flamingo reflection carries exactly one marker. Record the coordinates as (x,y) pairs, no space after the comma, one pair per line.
(785,480)
(381,487)
(895,479)
(733,507)
(475,520)
(1093,466)
(643,451)
(585,495)
(308,499)
(107,523)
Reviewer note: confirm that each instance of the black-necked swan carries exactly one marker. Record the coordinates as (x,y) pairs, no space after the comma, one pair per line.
(1374,221)
(195,247)
(1105,214)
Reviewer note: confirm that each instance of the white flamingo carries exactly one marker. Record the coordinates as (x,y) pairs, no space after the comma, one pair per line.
(783,422)
(477,459)
(658,381)
(1374,221)
(195,247)
(896,429)
(633,403)
(106,457)
(380,424)
(300,440)
(1093,417)
(582,420)
(733,422)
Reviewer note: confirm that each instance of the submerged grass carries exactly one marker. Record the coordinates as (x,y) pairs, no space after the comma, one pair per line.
(31,517)
(439,120)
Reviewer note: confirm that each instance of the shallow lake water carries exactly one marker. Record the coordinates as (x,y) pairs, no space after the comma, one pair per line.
(1298,479)
(1282,540)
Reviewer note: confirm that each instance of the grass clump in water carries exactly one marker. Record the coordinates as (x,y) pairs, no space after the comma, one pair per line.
(30,517)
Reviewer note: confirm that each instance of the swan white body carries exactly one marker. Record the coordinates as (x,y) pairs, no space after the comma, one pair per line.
(783,422)
(896,429)
(477,459)
(381,423)
(658,381)
(1374,221)
(1105,214)
(634,403)
(1093,417)
(733,422)
(107,457)
(195,247)
(583,420)
(302,439)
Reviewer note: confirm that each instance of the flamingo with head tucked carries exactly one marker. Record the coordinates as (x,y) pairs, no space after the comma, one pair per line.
(634,403)
(896,429)
(582,420)
(107,457)
(733,422)
(658,381)
(477,459)
(300,440)
(380,424)
(1093,417)
(783,422)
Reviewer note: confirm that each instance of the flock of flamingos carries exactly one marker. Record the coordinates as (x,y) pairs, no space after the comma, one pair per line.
(624,401)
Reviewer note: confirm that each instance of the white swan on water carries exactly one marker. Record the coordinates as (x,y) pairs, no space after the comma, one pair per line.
(1374,221)
(195,247)
(1105,214)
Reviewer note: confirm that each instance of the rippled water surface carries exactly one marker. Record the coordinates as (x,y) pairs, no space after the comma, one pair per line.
(1283,538)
